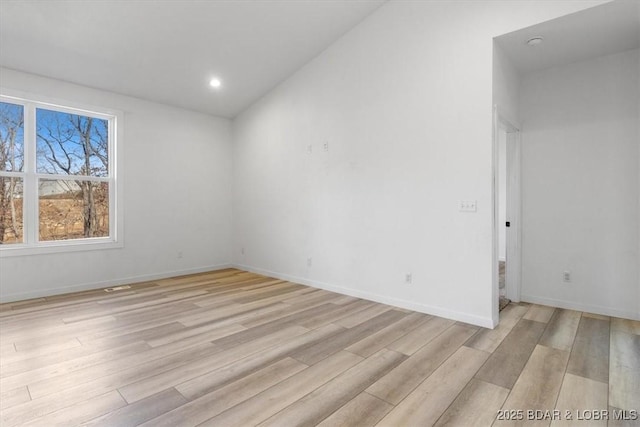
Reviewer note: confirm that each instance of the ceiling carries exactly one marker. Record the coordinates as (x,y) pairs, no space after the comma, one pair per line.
(167,51)
(601,30)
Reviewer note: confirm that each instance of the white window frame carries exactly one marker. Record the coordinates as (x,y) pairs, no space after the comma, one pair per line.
(31,244)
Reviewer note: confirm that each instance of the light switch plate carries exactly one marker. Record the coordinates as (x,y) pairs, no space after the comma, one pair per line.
(468,206)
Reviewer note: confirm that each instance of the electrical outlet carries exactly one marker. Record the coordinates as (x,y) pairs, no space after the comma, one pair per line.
(309,261)
(242,251)
(408,278)
(566,276)
(179,254)
(325,146)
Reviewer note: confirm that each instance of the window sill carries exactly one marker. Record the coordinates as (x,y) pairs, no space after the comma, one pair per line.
(99,243)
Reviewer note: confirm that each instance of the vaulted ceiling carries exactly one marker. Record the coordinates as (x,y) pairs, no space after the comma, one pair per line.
(167,51)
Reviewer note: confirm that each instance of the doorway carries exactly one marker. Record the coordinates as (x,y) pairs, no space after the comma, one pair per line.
(507,211)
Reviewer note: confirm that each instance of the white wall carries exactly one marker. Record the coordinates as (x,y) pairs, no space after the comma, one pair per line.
(580,185)
(177,197)
(404,101)
(506,87)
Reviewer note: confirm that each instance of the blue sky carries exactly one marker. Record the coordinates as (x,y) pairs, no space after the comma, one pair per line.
(65,142)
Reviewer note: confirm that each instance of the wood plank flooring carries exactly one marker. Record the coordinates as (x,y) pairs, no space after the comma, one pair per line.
(232,348)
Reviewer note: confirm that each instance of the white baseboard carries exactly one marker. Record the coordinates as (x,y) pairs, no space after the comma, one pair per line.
(384,299)
(605,311)
(485,322)
(107,283)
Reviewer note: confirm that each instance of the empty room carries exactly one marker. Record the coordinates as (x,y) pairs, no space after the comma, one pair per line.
(319,212)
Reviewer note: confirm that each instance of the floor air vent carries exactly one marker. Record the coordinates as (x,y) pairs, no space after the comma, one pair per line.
(117,288)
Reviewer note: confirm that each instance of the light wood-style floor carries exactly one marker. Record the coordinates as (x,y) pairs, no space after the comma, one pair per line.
(235,348)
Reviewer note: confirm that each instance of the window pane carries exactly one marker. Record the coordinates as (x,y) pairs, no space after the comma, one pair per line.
(70,144)
(11,228)
(73,209)
(11,137)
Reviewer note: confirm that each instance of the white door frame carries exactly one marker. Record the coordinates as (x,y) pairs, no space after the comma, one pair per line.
(514,211)
(514,215)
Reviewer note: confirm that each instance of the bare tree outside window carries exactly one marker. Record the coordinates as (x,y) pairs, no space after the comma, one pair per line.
(11,163)
(58,189)
(78,147)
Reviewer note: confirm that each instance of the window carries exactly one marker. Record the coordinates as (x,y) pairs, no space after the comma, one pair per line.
(57,177)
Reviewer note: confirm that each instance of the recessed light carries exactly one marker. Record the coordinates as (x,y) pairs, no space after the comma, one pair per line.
(215,82)
(535,41)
